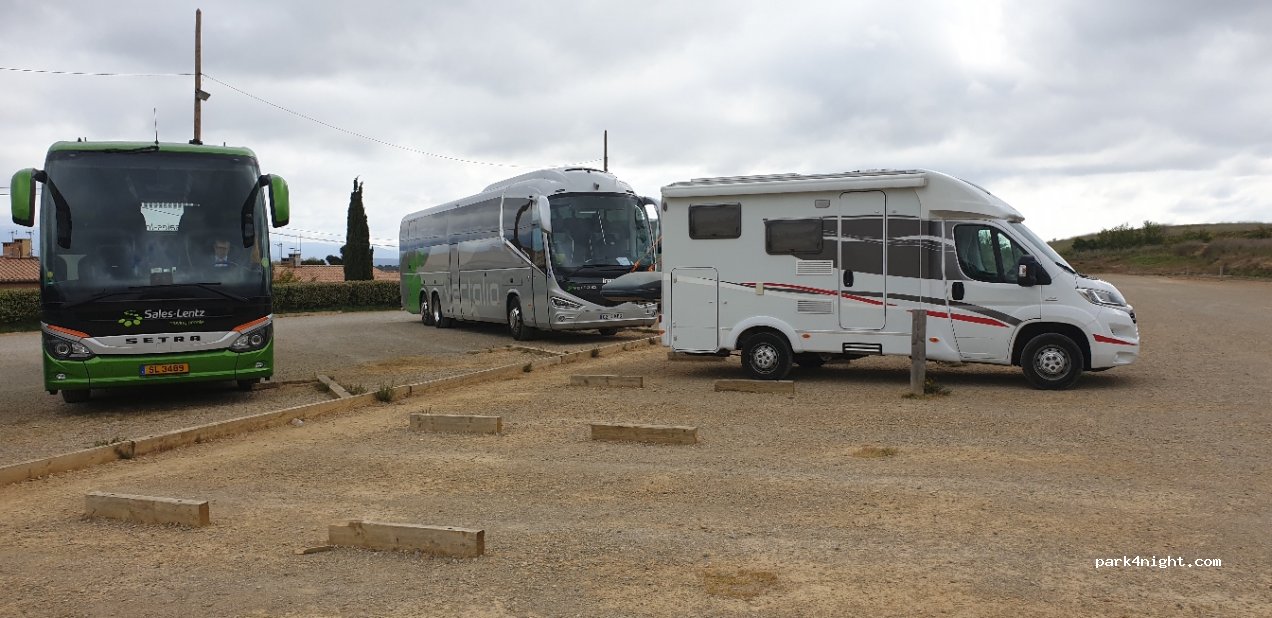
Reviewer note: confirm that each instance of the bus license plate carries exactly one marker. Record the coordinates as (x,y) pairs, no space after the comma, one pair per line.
(165,369)
(611,316)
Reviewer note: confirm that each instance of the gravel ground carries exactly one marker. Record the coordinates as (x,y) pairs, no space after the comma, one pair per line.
(846,498)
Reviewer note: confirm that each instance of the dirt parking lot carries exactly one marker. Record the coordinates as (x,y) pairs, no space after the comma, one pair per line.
(995,500)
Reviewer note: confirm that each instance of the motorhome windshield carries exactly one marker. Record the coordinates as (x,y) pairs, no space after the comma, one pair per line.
(1042,245)
(599,231)
(152,224)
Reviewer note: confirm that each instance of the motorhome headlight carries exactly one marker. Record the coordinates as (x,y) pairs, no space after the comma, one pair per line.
(253,340)
(65,349)
(561,303)
(1108,298)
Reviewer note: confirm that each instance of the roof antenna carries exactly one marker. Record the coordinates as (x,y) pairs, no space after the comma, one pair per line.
(156,110)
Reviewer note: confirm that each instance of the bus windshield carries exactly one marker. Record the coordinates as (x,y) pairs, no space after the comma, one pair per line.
(154,224)
(599,230)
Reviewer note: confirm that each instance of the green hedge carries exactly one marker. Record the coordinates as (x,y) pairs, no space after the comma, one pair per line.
(22,306)
(343,295)
(17,306)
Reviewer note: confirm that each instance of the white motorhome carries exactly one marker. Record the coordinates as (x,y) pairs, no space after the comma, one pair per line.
(804,268)
(531,251)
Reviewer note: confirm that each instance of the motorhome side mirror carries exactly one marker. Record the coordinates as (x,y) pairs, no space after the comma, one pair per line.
(279,200)
(1030,273)
(22,197)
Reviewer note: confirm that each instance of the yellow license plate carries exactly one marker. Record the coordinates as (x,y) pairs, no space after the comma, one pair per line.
(165,369)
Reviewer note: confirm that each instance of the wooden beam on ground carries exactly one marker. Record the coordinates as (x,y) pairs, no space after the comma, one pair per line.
(435,540)
(610,381)
(455,423)
(656,434)
(333,386)
(147,509)
(756,386)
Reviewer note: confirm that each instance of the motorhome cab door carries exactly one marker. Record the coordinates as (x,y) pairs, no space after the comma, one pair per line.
(987,305)
(695,309)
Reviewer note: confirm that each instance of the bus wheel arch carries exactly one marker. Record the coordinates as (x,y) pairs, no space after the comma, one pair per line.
(766,353)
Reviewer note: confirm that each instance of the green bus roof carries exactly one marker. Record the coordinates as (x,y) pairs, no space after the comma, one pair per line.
(163,147)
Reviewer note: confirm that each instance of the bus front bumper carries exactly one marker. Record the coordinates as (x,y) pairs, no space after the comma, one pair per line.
(110,371)
(626,315)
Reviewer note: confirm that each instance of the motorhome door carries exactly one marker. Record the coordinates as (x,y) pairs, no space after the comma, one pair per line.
(695,309)
(862,284)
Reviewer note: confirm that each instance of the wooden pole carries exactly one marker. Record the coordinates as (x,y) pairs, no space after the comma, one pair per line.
(918,351)
(198,77)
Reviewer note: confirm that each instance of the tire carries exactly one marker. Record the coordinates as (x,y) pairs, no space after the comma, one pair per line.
(767,356)
(247,385)
(607,332)
(516,322)
(1052,361)
(426,310)
(79,395)
(810,360)
(439,319)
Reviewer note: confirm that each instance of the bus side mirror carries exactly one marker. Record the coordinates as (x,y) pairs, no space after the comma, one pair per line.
(279,200)
(22,197)
(545,213)
(1030,273)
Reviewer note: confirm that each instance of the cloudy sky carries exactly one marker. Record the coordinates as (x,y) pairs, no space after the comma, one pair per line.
(1084,115)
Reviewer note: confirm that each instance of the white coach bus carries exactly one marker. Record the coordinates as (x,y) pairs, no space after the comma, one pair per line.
(800,269)
(531,251)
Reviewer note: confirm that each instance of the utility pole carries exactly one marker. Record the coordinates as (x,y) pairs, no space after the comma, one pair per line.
(199,95)
(605,151)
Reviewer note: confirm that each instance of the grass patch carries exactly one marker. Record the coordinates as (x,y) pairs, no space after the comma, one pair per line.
(528,367)
(875,452)
(384,393)
(739,584)
(356,389)
(596,352)
(931,388)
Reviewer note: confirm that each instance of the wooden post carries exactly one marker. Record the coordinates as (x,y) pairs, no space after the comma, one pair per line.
(918,351)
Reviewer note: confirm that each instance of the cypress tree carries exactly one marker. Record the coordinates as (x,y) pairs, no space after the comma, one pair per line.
(357,249)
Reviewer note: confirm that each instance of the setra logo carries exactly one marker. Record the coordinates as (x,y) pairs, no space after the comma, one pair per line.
(131,318)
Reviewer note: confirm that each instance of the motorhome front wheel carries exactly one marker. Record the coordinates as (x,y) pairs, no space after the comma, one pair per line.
(1052,362)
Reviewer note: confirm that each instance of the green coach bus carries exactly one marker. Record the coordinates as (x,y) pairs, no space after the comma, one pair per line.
(154,263)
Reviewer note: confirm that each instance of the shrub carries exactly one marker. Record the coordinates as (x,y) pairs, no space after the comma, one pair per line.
(319,296)
(18,306)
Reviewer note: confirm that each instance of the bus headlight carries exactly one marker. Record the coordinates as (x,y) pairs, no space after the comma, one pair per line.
(561,303)
(65,349)
(253,340)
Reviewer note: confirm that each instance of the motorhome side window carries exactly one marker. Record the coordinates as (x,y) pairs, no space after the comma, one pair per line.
(707,221)
(987,254)
(793,236)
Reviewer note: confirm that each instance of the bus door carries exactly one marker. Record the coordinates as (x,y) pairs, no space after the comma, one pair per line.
(453,301)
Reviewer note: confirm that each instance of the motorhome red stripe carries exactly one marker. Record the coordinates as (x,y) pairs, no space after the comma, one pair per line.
(958,317)
(1103,339)
(786,287)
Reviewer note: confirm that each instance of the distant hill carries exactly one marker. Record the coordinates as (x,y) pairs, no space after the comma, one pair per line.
(1228,249)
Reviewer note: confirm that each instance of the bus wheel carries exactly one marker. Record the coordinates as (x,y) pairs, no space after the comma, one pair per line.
(439,319)
(607,332)
(767,356)
(79,395)
(247,385)
(516,322)
(426,311)
(1052,362)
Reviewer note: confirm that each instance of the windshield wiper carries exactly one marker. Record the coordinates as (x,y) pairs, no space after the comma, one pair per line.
(205,286)
(151,148)
(98,296)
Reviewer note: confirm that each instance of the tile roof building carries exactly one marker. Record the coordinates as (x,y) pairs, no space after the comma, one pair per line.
(306,273)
